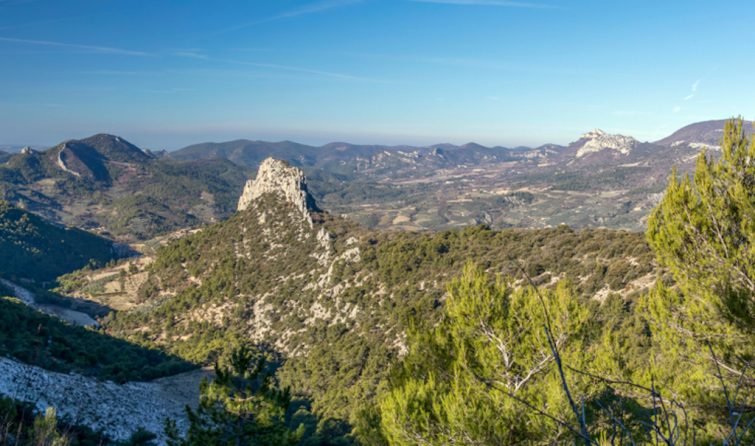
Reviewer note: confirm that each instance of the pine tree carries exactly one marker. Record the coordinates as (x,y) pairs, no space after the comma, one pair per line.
(703,230)
(467,380)
(702,324)
(243,405)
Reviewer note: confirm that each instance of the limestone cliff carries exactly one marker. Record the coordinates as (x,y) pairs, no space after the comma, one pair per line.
(278,177)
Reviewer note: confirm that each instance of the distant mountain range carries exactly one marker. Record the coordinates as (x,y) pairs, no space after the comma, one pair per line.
(107,184)
(598,180)
(360,157)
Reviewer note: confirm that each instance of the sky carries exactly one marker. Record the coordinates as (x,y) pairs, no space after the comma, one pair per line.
(164,74)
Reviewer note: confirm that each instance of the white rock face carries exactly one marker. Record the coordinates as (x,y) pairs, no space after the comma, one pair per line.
(598,140)
(62,163)
(695,145)
(278,177)
(117,410)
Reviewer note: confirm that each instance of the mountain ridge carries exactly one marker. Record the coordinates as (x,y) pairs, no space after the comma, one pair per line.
(107,184)
(704,133)
(405,187)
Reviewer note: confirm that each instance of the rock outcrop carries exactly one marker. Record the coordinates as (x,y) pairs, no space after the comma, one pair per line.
(598,140)
(280,178)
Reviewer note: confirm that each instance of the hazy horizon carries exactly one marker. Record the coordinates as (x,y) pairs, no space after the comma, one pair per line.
(315,143)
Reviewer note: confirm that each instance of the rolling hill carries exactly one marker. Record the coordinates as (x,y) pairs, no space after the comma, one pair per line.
(700,134)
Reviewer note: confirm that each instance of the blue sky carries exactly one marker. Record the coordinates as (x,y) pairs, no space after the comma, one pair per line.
(164,74)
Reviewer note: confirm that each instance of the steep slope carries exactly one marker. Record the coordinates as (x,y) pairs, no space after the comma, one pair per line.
(35,250)
(48,360)
(107,184)
(335,299)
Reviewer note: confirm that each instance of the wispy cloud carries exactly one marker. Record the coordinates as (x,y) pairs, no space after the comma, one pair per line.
(262,66)
(693,90)
(190,54)
(78,47)
(500,3)
(295,69)
(692,93)
(311,8)
(464,62)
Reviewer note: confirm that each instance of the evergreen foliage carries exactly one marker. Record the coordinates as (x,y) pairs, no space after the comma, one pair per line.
(38,339)
(704,329)
(243,405)
(674,367)
(456,383)
(704,229)
(36,250)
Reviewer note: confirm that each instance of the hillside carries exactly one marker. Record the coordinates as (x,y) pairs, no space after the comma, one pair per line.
(700,134)
(336,299)
(38,251)
(46,358)
(106,184)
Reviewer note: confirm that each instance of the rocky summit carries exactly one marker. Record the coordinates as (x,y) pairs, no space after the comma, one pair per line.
(598,140)
(279,177)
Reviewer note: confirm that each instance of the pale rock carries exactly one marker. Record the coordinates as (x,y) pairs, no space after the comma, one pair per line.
(598,140)
(278,177)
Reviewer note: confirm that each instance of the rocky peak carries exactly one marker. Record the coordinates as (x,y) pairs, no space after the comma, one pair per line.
(597,140)
(279,177)
(27,150)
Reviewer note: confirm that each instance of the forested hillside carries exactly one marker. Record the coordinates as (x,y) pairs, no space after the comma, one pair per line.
(337,300)
(36,250)
(478,336)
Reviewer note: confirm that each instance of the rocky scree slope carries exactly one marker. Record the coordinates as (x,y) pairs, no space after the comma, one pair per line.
(334,298)
(117,410)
